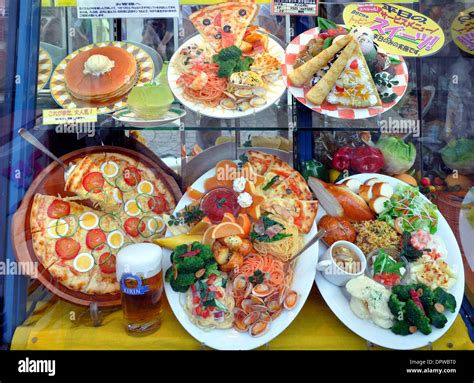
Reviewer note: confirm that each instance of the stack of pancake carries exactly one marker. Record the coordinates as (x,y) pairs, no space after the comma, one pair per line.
(100,88)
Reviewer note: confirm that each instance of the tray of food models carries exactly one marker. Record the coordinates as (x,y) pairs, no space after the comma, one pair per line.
(101,75)
(390,267)
(233,276)
(341,72)
(231,69)
(72,223)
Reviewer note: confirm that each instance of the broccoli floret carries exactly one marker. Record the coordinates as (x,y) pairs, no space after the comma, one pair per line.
(169,275)
(396,307)
(402,292)
(212,269)
(416,317)
(226,68)
(205,251)
(401,327)
(180,250)
(437,319)
(243,65)
(230,53)
(445,298)
(178,287)
(190,264)
(185,279)
(426,298)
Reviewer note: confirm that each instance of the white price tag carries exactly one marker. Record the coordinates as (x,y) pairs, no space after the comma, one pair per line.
(94,9)
(295,7)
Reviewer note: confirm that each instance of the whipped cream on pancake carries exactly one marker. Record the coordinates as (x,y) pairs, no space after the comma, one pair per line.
(98,65)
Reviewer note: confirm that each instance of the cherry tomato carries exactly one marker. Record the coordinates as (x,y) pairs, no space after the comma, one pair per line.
(94,238)
(58,209)
(93,181)
(67,248)
(107,263)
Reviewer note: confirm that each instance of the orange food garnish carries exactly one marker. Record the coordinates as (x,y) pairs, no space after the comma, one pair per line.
(226,229)
(201,227)
(228,217)
(194,194)
(207,237)
(254,210)
(244,221)
(213,182)
(226,170)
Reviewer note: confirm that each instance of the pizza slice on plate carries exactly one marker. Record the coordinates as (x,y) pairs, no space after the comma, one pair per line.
(235,20)
(260,161)
(223,25)
(68,238)
(301,213)
(293,187)
(276,173)
(119,183)
(78,244)
(208,22)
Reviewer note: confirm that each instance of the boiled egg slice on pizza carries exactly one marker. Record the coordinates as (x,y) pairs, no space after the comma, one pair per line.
(132,208)
(83,262)
(88,221)
(156,225)
(117,195)
(115,239)
(58,228)
(145,187)
(109,169)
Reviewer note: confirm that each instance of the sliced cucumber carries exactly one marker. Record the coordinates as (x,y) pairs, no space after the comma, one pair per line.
(73,225)
(112,218)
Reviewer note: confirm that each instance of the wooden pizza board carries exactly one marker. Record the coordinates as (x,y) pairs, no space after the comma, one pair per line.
(51,182)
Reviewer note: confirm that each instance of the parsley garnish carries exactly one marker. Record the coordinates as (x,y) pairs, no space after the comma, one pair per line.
(257,277)
(191,214)
(220,202)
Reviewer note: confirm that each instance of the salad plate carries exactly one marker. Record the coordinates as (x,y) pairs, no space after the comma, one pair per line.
(338,298)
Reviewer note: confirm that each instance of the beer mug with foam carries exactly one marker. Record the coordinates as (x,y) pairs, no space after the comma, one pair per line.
(141,284)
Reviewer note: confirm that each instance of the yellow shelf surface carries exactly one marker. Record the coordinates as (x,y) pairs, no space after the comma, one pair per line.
(58,325)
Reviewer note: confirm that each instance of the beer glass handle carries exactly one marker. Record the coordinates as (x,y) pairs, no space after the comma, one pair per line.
(95,314)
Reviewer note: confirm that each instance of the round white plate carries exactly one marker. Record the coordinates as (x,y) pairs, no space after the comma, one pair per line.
(128,118)
(337,111)
(230,339)
(337,298)
(466,231)
(274,93)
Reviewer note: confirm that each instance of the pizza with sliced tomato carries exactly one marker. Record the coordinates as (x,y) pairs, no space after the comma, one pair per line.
(112,180)
(223,25)
(78,244)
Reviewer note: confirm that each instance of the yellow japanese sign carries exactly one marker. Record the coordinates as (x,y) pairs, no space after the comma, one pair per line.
(69,116)
(398,30)
(462,30)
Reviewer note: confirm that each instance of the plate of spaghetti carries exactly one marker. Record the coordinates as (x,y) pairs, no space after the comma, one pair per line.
(231,83)
(230,276)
